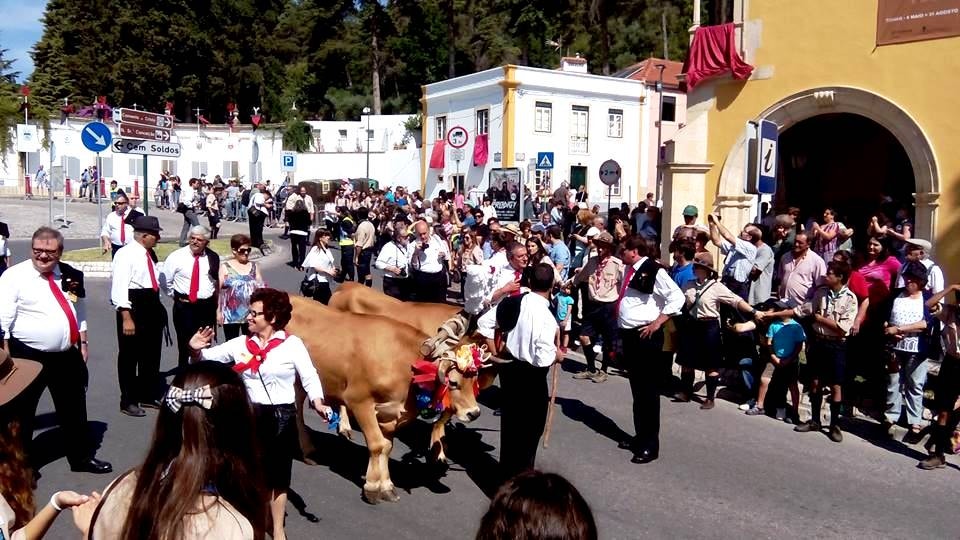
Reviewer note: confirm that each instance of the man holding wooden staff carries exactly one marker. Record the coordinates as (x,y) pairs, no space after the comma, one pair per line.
(527,336)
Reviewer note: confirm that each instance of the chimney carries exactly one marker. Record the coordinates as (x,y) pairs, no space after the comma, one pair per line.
(573,64)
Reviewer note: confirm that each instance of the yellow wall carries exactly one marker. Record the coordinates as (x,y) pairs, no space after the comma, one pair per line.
(817,43)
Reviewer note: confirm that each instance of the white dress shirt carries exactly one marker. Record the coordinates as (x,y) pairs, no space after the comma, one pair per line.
(393,254)
(533,340)
(428,260)
(259,201)
(30,312)
(187,196)
(639,309)
(318,258)
(111,228)
(130,272)
(486,324)
(935,281)
(178,269)
(279,372)
(499,259)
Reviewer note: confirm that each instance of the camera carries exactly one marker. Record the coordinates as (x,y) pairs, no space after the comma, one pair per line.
(403,272)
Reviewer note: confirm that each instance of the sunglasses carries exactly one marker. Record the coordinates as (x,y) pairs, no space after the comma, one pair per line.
(244,251)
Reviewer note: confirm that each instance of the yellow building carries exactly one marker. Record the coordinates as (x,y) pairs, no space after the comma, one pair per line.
(857,120)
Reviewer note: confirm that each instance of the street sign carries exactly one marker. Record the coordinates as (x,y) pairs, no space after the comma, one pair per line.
(609,172)
(457,137)
(134,131)
(146,119)
(146,148)
(544,160)
(456,154)
(288,162)
(27,138)
(96,137)
(761,158)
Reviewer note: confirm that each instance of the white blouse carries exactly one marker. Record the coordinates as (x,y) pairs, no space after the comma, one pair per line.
(274,383)
(392,254)
(317,258)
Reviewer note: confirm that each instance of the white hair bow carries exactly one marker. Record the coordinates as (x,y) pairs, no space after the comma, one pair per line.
(178,397)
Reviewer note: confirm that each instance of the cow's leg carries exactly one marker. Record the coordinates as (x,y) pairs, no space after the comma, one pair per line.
(437,433)
(345,429)
(306,444)
(387,491)
(366,417)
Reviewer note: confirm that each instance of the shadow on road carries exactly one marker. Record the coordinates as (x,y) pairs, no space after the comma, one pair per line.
(578,411)
(49,446)
(872,432)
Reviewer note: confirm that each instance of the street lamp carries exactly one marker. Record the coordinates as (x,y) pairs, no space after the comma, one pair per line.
(366,111)
(659,186)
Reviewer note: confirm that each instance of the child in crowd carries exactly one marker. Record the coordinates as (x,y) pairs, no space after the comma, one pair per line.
(785,340)
(564,301)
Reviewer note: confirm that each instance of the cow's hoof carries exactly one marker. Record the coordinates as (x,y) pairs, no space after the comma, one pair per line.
(372,496)
(389,495)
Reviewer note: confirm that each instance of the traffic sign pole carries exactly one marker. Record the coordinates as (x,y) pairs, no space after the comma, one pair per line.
(99,193)
(146,189)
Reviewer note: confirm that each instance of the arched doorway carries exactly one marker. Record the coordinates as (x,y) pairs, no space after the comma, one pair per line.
(847,162)
(737,208)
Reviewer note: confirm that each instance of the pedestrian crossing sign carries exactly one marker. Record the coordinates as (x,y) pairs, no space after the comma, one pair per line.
(544,160)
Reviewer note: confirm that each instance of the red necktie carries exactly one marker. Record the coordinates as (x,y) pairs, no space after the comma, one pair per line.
(627,275)
(259,355)
(153,276)
(516,277)
(65,306)
(195,279)
(123,231)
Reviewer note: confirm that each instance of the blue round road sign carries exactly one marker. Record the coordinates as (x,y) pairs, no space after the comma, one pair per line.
(96,136)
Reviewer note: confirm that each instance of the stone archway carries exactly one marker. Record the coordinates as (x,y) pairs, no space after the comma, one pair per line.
(737,208)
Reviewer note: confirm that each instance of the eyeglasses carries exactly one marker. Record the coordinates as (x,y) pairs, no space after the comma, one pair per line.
(49,252)
(254,314)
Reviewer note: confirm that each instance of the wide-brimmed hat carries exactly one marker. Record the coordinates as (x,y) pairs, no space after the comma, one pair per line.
(704,259)
(512,228)
(603,238)
(15,375)
(920,243)
(147,223)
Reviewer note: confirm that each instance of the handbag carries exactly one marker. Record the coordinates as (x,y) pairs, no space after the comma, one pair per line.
(308,287)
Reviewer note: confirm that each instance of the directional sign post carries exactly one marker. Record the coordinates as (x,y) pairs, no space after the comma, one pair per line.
(146,148)
(145,126)
(134,131)
(146,119)
(545,160)
(609,175)
(96,137)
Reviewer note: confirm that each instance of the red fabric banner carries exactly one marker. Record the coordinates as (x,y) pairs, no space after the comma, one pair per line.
(714,52)
(436,158)
(480,150)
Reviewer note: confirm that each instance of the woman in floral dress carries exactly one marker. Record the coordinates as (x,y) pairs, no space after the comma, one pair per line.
(238,279)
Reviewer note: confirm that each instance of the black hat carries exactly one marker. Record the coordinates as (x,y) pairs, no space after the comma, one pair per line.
(915,270)
(147,223)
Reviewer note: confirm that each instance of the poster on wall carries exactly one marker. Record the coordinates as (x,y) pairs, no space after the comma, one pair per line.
(902,21)
(504,191)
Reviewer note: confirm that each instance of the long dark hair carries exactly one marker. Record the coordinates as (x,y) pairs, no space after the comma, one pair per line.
(196,451)
(538,506)
(16,475)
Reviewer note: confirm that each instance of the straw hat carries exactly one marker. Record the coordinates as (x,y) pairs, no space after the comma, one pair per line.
(15,376)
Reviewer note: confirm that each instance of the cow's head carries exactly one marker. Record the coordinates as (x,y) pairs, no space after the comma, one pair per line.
(460,370)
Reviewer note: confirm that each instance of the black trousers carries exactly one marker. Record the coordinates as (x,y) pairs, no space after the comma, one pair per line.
(138,356)
(347,268)
(256,220)
(429,287)
(298,249)
(187,319)
(364,274)
(113,250)
(523,415)
(397,288)
(232,330)
(65,374)
(323,293)
(640,357)
(190,219)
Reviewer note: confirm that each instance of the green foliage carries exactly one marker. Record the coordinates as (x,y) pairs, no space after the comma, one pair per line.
(321,55)
(297,136)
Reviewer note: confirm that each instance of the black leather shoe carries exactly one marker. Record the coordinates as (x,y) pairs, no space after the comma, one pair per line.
(625,445)
(132,410)
(645,456)
(152,404)
(92,465)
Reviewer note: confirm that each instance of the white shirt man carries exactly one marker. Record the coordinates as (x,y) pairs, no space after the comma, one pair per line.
(190,278)
(115,232)
(30,313)
(188,196)
(178,271)
(508,284)
(916,249)
(426,261)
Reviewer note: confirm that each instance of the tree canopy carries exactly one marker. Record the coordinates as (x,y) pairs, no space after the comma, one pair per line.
(325,59)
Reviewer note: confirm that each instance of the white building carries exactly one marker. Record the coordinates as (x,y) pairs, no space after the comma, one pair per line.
(338,151)
(525,113)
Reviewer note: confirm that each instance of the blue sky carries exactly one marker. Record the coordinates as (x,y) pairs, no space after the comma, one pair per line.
(20,29)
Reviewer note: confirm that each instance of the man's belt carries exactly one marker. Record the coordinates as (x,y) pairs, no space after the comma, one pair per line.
(180,297)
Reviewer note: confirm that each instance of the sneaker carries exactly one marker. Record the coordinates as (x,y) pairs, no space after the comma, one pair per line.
(835,434)
(781,413)
(754,411)
(598,348)
(933,462)
(809,425)
(585,374)
(750,404)
(599,377)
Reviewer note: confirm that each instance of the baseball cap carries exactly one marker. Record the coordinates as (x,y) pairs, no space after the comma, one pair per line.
(690,211)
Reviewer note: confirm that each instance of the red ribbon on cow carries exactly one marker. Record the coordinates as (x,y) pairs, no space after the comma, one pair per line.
(259,355)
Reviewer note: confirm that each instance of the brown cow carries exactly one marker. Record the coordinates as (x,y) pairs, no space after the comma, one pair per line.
(428,317)
(364,363)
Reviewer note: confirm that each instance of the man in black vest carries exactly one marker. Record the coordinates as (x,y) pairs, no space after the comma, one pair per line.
(646,287)
(42,318)
(191,279)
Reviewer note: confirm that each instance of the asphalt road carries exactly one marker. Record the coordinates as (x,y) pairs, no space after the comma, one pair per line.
(721,474)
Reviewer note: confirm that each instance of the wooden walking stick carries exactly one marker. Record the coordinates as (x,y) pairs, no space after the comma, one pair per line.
(553,399)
